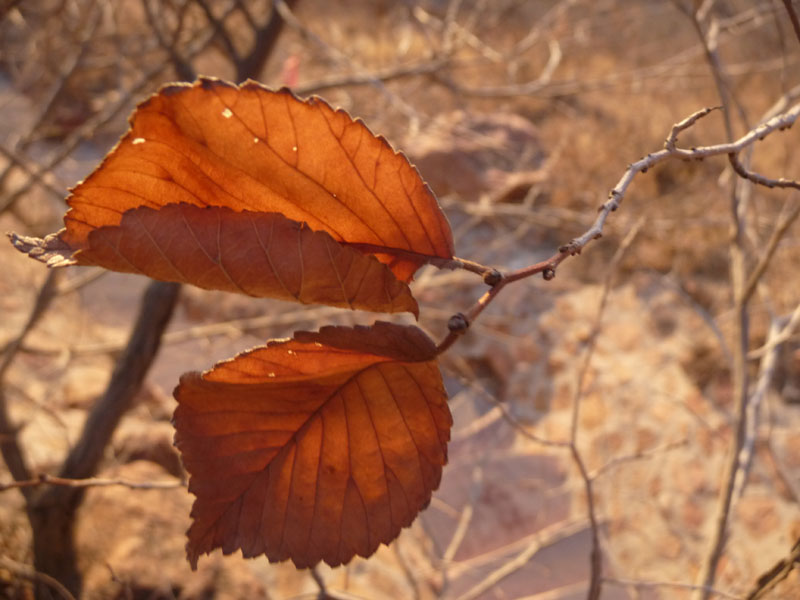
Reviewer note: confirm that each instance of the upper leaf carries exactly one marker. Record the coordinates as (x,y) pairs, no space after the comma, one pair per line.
(249,148)
(316,448)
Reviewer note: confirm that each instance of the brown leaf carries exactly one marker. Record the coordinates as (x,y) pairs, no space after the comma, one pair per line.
(316,448)
(249,148)
(259,254)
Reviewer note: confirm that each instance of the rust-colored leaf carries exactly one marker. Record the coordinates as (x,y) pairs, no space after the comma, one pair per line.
(259,254)
(313,449)
(249,148)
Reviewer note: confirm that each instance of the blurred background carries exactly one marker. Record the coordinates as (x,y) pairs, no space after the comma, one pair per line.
(521,115)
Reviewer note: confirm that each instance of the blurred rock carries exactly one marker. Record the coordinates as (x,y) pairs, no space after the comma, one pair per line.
(469,154)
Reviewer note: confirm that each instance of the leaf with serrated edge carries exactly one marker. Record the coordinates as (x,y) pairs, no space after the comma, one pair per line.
(247,147)
(258,254)
(317,448)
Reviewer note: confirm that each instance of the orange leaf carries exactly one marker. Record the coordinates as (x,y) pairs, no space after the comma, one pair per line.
(249,148)
(259,254)
(316,448)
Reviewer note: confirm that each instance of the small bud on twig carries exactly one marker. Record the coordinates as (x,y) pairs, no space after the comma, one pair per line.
(458,323)
(492,278)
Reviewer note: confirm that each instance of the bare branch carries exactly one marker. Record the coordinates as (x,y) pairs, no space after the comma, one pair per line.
(793,17)
(45,479)
(784,222)
(28,572)
(670,584)
(9,446)
(745,173)
(769,580)
(544,538)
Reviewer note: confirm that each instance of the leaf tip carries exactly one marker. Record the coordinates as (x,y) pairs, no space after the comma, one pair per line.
(192,555)
(50,250)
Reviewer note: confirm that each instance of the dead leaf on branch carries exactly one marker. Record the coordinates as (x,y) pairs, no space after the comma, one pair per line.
(247,148)
(259,254)
(317,448)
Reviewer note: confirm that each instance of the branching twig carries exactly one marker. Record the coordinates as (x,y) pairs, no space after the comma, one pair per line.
(9,447)
(548,266)
(28,572)
(544,538)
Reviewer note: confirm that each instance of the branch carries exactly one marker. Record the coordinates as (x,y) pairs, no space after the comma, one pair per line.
(544,538)
(28,572)
(793,17)
(9,447)
(769,580)
(265,39)
(670,584)
(745,173)
(671,150)
(784,222)
(126,380)
(99,119)
(45,479)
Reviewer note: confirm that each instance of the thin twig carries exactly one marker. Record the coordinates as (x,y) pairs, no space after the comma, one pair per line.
(28,572)
(793,17)
(745,173)
(670,584)
(786,333)
(780,571)
(546,537)
(9,446)
(101,118)
(465,518)
(642,455)
(45,479)
(739,196)
(549,266)
(784,222)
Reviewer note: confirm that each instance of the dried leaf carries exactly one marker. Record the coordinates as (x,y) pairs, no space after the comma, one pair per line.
(249,148)
(316,448)
(259,254)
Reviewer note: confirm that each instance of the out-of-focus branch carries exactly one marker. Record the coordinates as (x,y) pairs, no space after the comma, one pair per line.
(766,372)
(218,27)
(9,446)
(784,222)
(793,17)
(266,37)
(428,67)
(788,330)
(544,538)
(182,67)
(769,580)
(650,585)
(126,380)
(69,67)
(111,111)
(28,572)
(45,479)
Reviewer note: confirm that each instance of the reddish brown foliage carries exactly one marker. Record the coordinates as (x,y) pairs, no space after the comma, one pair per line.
(326,445)
(251,149)
(316,448)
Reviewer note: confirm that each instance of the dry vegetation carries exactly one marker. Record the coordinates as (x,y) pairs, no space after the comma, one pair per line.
(521,115)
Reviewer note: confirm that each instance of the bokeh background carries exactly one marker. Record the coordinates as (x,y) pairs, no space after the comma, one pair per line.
(521,115)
